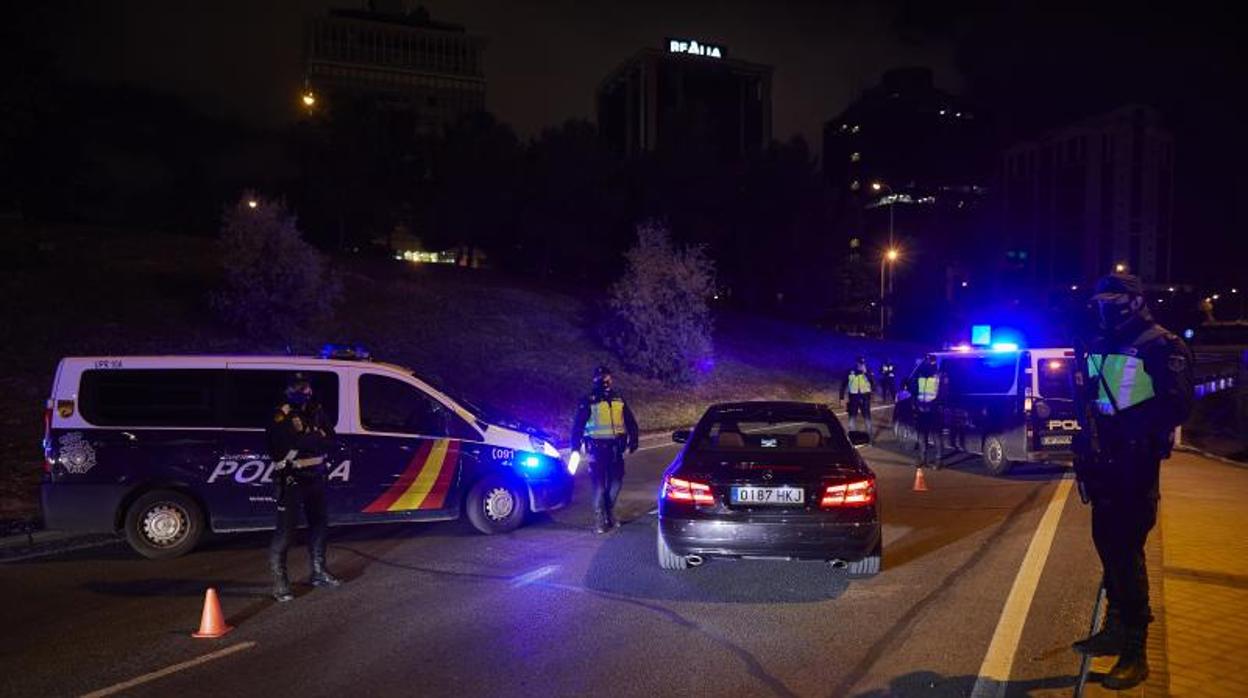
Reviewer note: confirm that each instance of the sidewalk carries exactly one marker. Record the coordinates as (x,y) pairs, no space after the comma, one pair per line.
(1202,579)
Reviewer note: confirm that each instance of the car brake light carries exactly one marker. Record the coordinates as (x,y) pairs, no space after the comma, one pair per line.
(47,440)
(678,490)
(851,494)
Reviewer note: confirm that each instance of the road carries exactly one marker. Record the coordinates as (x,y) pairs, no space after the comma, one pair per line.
(553,609)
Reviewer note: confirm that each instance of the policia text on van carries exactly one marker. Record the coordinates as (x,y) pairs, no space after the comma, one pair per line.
(163,448)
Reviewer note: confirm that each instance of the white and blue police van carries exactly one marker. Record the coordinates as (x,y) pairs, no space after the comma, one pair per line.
(164,448)
(1007,404)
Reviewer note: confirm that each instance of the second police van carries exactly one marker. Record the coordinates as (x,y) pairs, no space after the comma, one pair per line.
(164,448)
(1009,406)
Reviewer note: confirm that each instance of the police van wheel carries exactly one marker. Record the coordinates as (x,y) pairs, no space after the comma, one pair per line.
(496,505)
(995,459)
(163,524)
(669,560)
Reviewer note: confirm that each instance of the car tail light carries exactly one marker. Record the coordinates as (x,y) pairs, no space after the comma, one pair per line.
(47,440)
(859,493)
(678,490)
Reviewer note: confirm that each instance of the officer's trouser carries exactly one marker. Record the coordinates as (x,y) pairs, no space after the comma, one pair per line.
(888,388)
(308,490)
(606,470)
(927,424)
(1120,527)
(859,404)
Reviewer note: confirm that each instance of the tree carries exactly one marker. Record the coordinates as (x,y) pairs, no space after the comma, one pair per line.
(275,285)
(661,323)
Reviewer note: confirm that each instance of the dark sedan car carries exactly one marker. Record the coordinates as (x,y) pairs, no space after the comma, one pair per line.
(770,480)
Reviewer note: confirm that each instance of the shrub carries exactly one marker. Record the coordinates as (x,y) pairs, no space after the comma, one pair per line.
(660,322)
(275,286)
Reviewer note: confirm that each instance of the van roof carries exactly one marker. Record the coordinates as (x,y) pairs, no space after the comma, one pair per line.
(1043,352)
(221,360)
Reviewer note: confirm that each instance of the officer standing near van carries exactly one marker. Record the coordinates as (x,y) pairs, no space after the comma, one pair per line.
(888,381)
(299,438)
(859,383)
(1139,377)
(925,387)
(606,426)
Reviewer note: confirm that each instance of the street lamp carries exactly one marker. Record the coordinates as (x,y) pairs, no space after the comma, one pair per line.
(886,259)
(252,203)
(1120,268)
(309,99)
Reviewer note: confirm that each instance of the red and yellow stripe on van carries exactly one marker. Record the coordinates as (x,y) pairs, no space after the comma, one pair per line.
(425,481)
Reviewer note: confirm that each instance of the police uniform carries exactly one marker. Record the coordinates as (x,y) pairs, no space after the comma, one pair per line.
(888,381)
(925,387)
(859,384)
(299,438)
(605,424)
(1140,379)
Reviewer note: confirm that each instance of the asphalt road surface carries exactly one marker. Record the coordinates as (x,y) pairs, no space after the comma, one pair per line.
(552,609)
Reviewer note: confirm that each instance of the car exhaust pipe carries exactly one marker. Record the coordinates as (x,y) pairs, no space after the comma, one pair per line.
(838,564)
(694,560)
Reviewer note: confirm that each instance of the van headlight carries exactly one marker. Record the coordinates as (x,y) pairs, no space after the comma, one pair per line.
(543,447)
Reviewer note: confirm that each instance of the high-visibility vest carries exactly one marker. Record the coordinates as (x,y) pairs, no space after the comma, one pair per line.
(1125,378)
(858,384)
(606,419)
(927,388)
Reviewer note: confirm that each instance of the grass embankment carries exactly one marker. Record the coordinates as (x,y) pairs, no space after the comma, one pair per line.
(525,349)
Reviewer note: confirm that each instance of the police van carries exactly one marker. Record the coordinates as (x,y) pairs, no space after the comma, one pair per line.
(1008,405)
(164,448)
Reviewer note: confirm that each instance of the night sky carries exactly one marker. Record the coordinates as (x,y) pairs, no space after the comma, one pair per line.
(1034,67)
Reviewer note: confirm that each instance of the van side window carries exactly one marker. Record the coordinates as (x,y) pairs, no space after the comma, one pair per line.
(253,395)
(391,405)
(150,397)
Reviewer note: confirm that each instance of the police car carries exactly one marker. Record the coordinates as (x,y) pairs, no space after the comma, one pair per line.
(1007,404)
(164,448)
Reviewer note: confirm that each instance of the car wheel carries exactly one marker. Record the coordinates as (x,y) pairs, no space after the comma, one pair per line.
(496,505)
(868,566)
(995,459)
(163,524)
(669,560)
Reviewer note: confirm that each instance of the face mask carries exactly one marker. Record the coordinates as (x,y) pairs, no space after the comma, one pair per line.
(1113,314)
(299,398)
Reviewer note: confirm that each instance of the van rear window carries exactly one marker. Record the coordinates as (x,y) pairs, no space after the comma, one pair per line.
(152,398)
(1055,379)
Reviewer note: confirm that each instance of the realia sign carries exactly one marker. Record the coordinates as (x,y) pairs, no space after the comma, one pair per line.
(694,48)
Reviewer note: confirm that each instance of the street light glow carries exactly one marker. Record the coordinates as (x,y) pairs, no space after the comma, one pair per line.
(309,99)
(876,186)
(1215,296)
(1074,287)
(892,257)
(252,203)
(1120,268)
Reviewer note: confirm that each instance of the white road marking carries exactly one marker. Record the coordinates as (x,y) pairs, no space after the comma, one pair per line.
(160,674)
(529,577)
(994,673)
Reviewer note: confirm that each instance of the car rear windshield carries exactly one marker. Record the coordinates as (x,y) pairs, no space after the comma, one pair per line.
(770,430)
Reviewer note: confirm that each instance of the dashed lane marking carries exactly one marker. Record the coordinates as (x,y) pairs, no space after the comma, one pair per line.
(994,673)
(161,673)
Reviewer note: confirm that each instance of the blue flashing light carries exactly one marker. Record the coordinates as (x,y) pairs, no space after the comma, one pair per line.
(1005,346)
(1188,333)
(531,461)
(981,335)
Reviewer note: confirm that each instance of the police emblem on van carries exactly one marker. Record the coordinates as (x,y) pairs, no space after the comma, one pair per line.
(77,456)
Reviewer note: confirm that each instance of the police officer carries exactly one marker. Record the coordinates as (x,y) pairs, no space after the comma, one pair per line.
(299,438)
(1140,379)
(888,381)
(925,387)
(859,383)
(606,426)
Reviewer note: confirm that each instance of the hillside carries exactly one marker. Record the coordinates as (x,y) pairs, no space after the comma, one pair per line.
(524,349)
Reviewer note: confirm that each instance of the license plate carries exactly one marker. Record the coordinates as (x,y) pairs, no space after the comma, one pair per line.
(1055,440)
(769,495)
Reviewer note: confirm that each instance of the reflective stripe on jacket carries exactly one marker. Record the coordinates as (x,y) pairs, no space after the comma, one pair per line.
(606,419)
(1126,379)
(927,388)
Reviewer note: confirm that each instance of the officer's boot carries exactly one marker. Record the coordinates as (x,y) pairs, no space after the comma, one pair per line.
(1132,666)
(281,582)
(1109,640)
(321,576)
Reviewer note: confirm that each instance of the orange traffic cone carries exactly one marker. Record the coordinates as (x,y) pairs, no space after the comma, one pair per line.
(920,484)
(212,623)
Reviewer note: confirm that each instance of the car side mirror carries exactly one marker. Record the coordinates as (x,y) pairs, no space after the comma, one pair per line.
(859,438)
(680,436)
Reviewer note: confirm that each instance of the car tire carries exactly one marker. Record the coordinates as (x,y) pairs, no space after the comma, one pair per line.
(995,459)
(163,523)
(496,505)
(868,566)
(669,560)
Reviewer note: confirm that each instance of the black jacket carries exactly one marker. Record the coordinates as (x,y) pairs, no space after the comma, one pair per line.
(582,418)
(304,430)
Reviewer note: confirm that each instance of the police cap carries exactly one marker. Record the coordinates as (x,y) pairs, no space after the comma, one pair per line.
(1118,284)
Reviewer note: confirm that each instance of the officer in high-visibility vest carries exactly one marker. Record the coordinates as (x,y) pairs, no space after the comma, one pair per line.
(888,381)
(605,425)
(859,384)
(1140,378)
(925,387)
